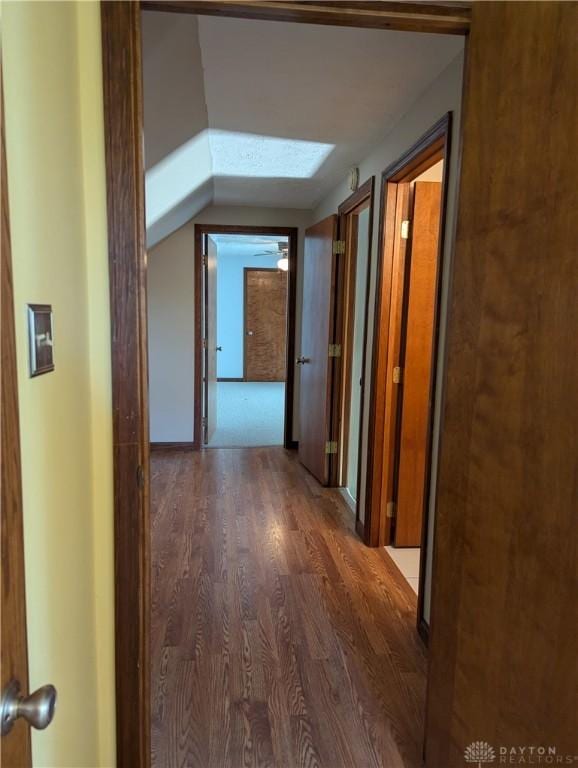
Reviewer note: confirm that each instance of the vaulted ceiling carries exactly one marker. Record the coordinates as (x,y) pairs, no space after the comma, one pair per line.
(260,113)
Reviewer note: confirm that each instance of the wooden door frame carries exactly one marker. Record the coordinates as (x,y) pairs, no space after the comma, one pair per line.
(15,746)
(123,130)
(383,432)
(261,269)
(292,233)
(341,389)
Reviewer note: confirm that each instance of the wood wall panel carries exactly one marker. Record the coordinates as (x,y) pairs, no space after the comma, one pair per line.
(504,617)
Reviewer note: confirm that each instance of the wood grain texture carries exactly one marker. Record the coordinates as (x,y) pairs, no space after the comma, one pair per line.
(317,332)
(348,213)
(265,331)
(278,638)
(127,274)
(15,749)
(503,648)
(443,18)
(417,363)
(431,147)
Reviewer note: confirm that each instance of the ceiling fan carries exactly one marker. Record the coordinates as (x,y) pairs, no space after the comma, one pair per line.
(283,253)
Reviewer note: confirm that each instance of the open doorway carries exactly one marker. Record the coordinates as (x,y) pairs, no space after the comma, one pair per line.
(405,357)
(244,335)
(355,233)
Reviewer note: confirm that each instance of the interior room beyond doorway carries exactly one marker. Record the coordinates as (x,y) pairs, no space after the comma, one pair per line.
(245,321)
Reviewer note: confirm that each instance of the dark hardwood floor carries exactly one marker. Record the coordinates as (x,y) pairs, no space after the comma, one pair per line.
(278,638)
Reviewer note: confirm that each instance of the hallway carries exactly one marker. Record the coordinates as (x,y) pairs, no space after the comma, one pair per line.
(278,639)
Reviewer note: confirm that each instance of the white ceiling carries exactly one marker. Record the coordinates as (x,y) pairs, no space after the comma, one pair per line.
(283,113)
(336,86)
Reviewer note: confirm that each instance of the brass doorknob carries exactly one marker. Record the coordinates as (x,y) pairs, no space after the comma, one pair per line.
(37,709)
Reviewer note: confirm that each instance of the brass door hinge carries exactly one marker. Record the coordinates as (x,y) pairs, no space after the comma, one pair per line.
(397,375)
(331,447)
(391,509)
(405,229)
(335,350)
(338,247)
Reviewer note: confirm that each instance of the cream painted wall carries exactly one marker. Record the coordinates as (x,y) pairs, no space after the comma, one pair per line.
(170,296)
(442,96)
(54,124)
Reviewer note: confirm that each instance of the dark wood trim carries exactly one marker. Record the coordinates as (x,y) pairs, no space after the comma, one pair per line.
(422,625)
(230,378)
(15,747)
(357,198)
(433,146)
(427,150)
(435,381)
(245,270)
(173,447)
(441,18)
(346,277)
(232,229)
(121,53)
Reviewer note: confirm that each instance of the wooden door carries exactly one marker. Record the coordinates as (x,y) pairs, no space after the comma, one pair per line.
(15,746)
(210,338)
(319,271)
(504,614)
(265,299)
(417,363)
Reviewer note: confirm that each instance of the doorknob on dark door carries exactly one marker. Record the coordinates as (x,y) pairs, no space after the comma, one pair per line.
(302,360)
(37,709)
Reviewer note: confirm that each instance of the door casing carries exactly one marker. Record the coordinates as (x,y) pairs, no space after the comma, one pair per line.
(237,229)
(382,435)
(344,308)
(491,26)
(123,117)
(15,747)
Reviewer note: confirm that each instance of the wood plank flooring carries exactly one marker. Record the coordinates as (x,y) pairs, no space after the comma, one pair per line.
(278,639)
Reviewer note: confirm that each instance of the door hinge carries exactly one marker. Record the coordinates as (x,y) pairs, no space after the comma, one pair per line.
(204,422)
(391,509)
(405,229)
(397,375)
(204,259)
(335,350)
(331,447)
(204,343)
(338,247)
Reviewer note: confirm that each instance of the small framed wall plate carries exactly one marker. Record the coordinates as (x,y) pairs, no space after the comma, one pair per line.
(40,338)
